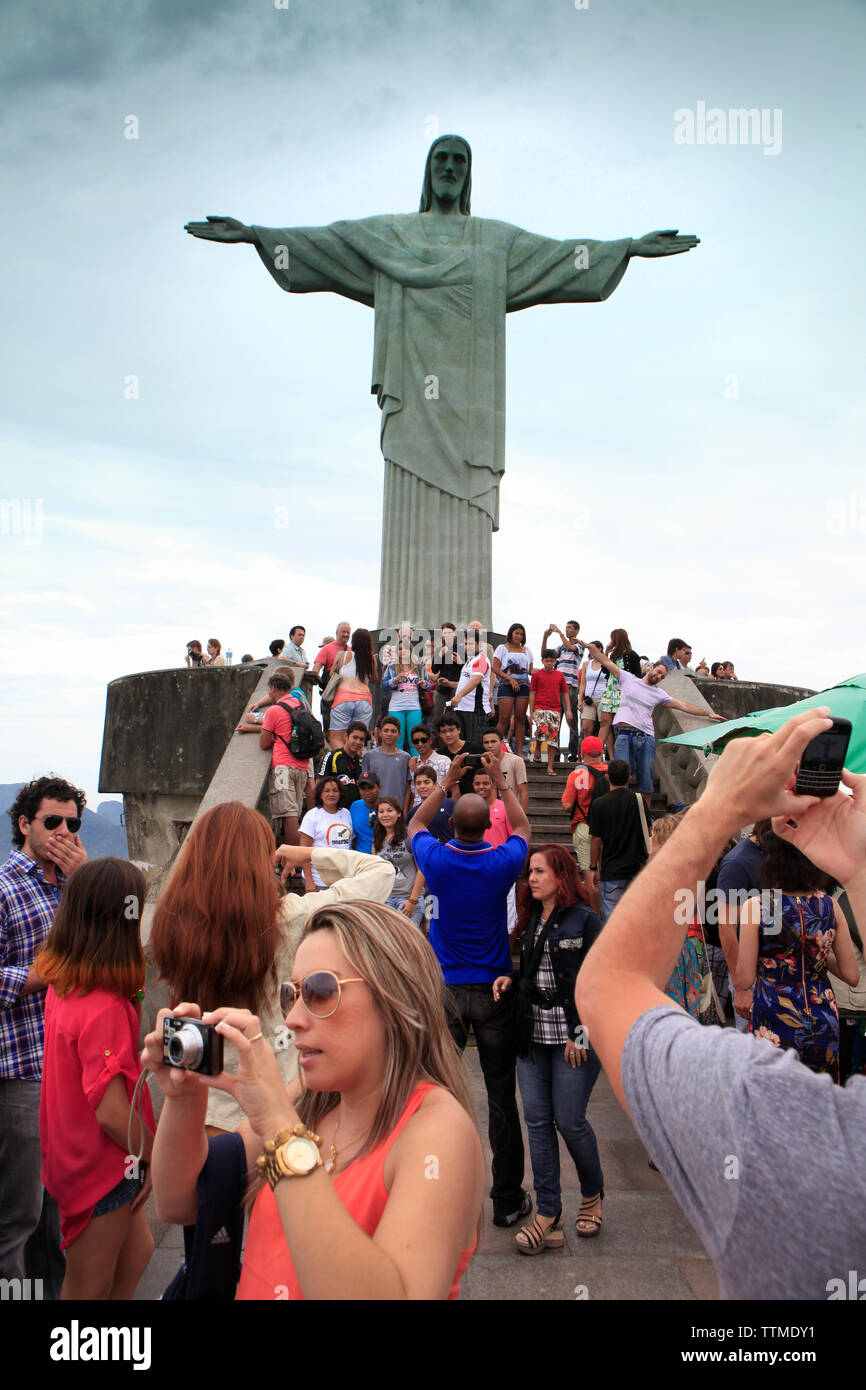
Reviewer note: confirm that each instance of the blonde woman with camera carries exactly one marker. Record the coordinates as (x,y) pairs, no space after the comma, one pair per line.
(368,1175)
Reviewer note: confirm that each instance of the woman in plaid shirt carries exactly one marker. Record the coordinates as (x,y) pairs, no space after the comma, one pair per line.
(558,1068)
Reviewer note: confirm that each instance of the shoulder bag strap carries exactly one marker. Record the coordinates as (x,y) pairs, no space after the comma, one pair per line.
(533,959)
(331,688)
(641,807)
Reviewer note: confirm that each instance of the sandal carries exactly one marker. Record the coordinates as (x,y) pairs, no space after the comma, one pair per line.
(538,1237)
(588,1213)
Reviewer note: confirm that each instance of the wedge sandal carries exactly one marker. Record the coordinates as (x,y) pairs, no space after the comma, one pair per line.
(587,1213)
(539,1238)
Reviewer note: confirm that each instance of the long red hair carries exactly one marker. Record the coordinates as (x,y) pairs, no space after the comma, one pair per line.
(569,889)
(214,929)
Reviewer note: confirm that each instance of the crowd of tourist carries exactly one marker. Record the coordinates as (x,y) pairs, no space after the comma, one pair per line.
(338,953)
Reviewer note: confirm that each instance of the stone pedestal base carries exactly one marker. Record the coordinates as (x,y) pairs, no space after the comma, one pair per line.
(436,556)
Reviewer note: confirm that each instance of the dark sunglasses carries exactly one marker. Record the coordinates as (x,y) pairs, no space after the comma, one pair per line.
(320,993)
(73,823)
(418,741)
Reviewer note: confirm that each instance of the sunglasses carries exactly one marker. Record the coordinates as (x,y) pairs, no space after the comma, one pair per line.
(320,993)
(73,823)
(418,741)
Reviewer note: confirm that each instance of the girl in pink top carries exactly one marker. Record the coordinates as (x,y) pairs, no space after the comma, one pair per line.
(93,963)
(388,1202)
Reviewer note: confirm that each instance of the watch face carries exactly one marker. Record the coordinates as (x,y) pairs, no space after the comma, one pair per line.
(301,1154)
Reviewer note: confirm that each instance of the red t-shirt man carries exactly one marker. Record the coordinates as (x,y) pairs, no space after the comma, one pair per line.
(499,828)
(279,721)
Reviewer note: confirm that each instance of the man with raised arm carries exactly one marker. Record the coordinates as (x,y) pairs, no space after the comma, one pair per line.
(633,721)
(762,1153)
(469,881)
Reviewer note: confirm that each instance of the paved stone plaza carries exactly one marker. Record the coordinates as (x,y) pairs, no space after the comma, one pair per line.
(646,1250)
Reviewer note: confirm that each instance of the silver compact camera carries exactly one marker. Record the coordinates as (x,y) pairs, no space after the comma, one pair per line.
(192,1045)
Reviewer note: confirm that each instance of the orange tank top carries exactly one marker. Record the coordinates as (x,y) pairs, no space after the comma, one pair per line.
(268,1272)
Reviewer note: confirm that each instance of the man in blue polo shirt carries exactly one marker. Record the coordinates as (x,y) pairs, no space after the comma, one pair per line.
(469,882)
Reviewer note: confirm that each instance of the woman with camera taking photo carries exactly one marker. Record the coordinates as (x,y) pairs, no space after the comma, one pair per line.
(369,1178)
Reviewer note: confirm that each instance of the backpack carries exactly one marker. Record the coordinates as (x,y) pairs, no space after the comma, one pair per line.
(307,737)
(600,787)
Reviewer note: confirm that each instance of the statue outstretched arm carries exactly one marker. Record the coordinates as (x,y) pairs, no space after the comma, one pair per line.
(667,243)
(302,260)
(227,229)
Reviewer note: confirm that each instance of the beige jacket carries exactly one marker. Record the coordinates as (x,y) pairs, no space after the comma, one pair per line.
(351,877)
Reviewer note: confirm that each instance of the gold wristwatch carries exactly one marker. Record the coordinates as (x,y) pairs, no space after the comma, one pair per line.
(292,1153)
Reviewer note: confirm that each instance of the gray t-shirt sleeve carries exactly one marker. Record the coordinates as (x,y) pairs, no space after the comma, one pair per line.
(764,1156)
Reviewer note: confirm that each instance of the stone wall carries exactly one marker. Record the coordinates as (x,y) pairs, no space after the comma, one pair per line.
(683,771)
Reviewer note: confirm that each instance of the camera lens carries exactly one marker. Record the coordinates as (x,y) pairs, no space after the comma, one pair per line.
(185,1047)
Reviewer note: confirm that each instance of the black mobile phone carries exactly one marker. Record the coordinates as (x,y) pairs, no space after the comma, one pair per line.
(822,761)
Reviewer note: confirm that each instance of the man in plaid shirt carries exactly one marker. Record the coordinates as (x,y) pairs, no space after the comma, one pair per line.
(45,820)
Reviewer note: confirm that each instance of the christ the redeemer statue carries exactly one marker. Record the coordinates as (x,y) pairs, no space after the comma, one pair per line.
(441,283)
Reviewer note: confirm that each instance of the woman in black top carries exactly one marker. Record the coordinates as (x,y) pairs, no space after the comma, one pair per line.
(557,1068)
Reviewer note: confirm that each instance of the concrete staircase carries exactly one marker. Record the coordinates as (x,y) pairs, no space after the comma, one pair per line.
(550,824)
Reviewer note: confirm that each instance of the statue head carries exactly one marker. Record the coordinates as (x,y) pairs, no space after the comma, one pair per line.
(447,173)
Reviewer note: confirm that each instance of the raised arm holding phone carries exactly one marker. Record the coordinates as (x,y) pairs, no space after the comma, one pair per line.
(743,1132)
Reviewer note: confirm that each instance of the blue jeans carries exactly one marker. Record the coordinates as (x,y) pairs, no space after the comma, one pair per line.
(639,751)
(29,1219)
(610,894)
(555,1096)
(397,900)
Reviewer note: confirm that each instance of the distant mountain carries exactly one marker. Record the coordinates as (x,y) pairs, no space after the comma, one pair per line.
(101,832)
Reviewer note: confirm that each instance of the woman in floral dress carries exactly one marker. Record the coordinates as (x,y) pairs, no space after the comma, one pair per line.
(684,985)
(789,938)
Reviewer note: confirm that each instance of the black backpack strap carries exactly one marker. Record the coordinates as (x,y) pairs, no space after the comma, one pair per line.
(212,1247)
(291,711)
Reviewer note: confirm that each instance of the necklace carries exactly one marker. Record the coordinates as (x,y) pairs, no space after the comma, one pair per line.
(333,1152)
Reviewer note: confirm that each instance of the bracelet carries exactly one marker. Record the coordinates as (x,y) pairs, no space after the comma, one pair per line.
(413,902)
(593,868)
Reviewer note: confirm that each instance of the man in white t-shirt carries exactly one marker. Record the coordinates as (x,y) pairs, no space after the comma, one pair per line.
(472,696)
(633,723)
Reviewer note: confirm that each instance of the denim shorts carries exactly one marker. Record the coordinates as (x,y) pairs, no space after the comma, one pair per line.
(124,1192)
(343,714)
(506,691)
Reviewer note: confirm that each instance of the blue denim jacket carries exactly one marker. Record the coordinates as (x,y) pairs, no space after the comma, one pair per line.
(568,941)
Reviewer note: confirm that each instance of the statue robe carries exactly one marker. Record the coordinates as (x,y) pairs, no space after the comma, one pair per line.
(439,376)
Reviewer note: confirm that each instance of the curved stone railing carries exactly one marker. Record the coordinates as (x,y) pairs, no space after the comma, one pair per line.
(169,746)
(683,771)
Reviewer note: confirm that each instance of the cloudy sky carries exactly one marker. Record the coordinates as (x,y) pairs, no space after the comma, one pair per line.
(686,458)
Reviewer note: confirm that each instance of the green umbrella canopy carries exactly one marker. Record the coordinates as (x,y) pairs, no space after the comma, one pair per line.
(845,701)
